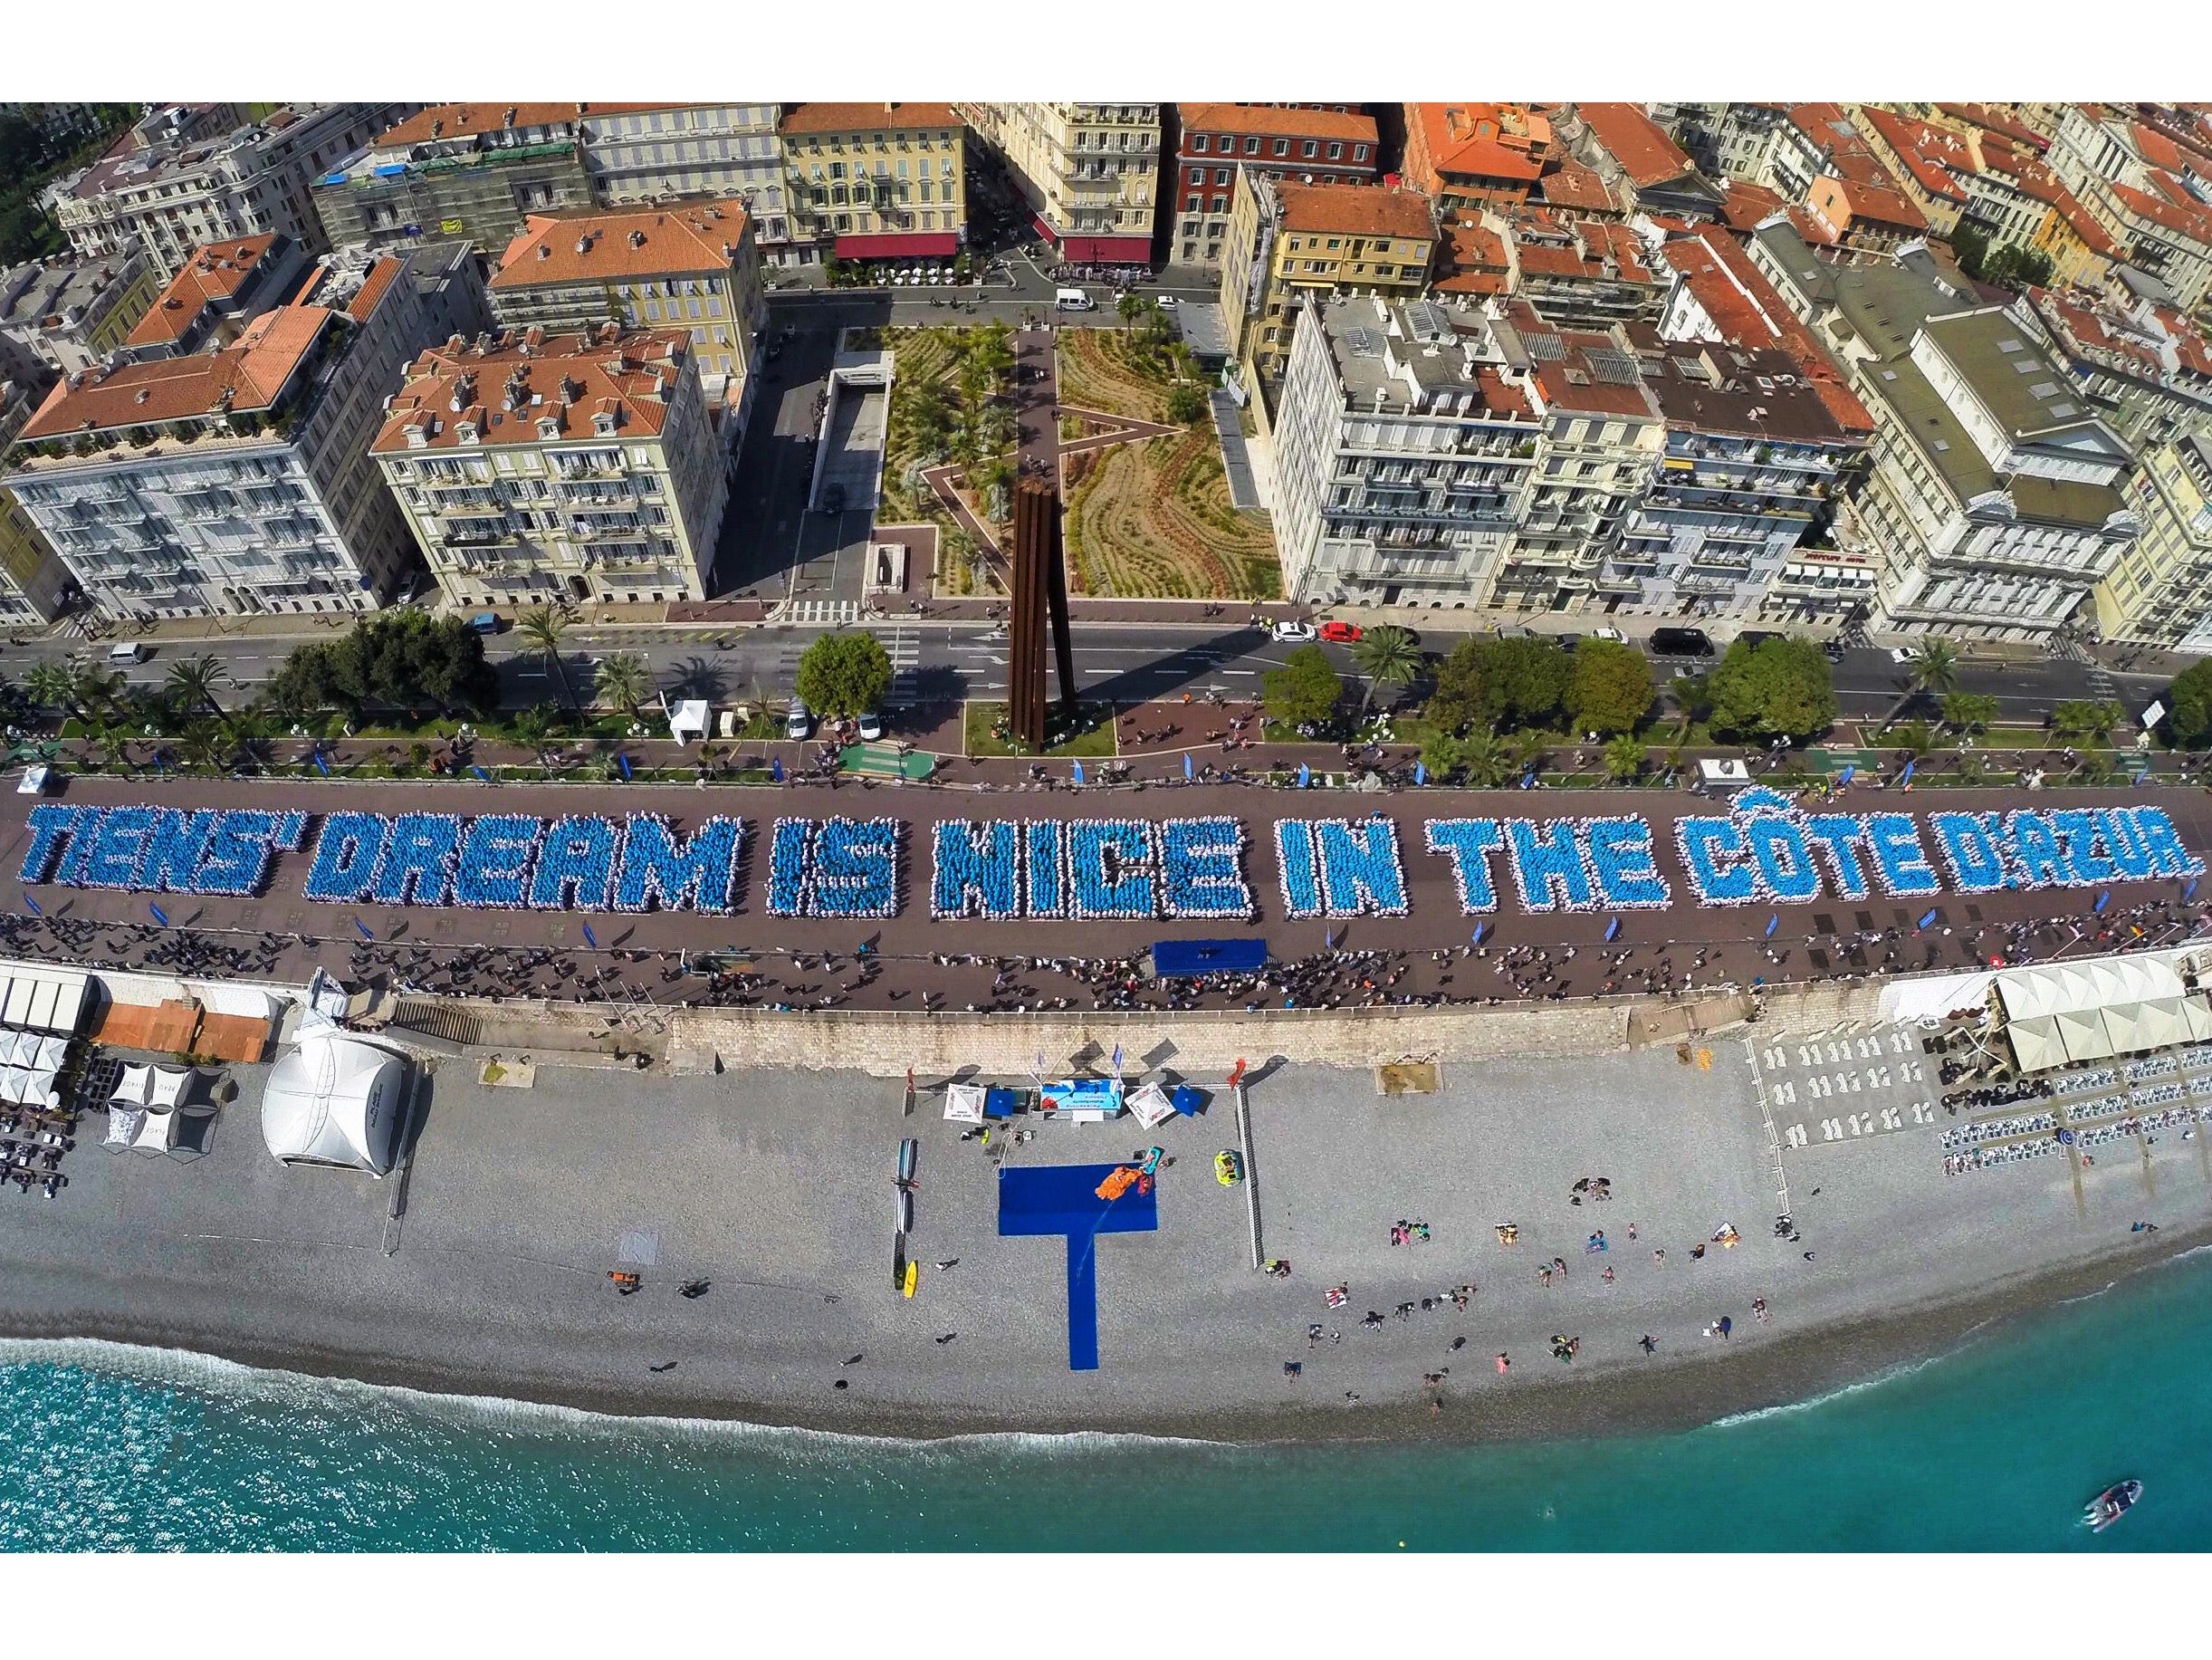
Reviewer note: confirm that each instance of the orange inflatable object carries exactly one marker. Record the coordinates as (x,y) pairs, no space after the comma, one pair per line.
(1116,1184)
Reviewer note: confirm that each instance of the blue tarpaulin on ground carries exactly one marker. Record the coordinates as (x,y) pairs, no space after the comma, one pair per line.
(1063,1199)
(1180,957)
(1000,1103)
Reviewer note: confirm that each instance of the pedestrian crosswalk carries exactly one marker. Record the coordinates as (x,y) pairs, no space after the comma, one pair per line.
(828,613)
(903,644)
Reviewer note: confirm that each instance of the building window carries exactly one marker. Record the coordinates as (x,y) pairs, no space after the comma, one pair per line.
(1359,152)
(1221,203)
(1198,175)
(1310,149)
(1220,176)
(1198,144)
(1252,146)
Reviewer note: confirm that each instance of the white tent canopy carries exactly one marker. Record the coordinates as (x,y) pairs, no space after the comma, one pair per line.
(2069,1013)
(149,1086)
(335,1100)
(1151,1106)
(963,1103)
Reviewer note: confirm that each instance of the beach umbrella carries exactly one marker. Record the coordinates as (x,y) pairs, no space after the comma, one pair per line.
(1613,929)
(1905,777)
(623,763)
(1773,923)
(1927,920)
(776,769)
(1305,774)
(1187,768)
(33,906)
(590,938)
(322,766)
(363,926)
(1847,774)
(161,915)
(1078,771)
(1421,773)
(2103,900)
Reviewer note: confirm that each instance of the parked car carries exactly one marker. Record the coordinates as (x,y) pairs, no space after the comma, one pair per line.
(1682,643)
(871,727)
(1293,631)
(1903,654)
(1166,299)
(833,497)
(1614,635)
(1343,633)
(484,622)
(800,723)
(1513,630)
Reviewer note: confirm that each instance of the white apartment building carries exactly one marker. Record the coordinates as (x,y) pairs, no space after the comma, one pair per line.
(239,481)
(58,316)
(191,175)
(1405,439)
(1088,172)
(1995,499)
(658,152)
(2149,194)
(535,468)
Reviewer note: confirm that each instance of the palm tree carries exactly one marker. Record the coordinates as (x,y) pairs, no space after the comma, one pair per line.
(1484,760)
(51,686)
(193,682)
(1387,656)
(95,691)
(623,681)
(1624,758)
(206,746)
(544,628)
(1129,308)
(115,751)
(1933,670)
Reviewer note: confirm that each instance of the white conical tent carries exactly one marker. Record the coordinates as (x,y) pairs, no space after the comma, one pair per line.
(336,1099)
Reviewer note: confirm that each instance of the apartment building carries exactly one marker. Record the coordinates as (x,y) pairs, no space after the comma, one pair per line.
(60,315)
(663,152)
(694,264)
(1289,242)
(472,172)
(2134,181)
(34,584)
(1638,161)
(2159,592)
(1929,164)
(875,181)
(1996,500)
(219,290)
(1866,218)
(533,467)
(1754,461)
(1089,173)
(188,175)
(1405,444)
(1211,141)
(238,481)
(2143,367)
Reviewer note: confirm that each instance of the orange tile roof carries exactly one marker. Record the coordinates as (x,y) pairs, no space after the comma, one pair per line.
(2193,223)
(442,122)
(1878,203)
(1355,210)
(1474,260)
(216,271)
(523,378)
(1748,312)
(1277,122)
(1991,121)
(373,286)
(1933,156)
(1646,154)
(615,243)
(869,117)
(1482,141)
(1569,184)
(253,372)
(1744,206)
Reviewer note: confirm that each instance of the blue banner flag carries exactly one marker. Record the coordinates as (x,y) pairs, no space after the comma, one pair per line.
(322,766)
(1187,768)
(590,938)
(481,774)
(1773,923)
(161,915)
(1613,929)
(1421,773)
(1846,775)
(1078,771)
(776,769)
(1905,777)
(36,909)
(2103,900)
(2187,893)
(1304,775)
(1927,920)
(623,761)
(1481,929)
(363,927)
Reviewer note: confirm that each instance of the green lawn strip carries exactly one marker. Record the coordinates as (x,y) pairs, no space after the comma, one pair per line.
(1095,743)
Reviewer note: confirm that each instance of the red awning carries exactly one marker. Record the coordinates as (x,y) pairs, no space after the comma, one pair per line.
(1107,250)
(1045,229)
(909,245)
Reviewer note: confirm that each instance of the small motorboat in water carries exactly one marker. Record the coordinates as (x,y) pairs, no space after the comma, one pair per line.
(2112,1504)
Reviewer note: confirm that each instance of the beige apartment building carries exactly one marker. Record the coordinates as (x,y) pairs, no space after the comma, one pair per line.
(692,264)
(884,181)
(534,468)
(2159,592)
(1088,172)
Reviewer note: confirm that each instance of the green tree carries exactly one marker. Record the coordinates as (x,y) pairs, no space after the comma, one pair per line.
(1915,737)
(1387,655)
(51,686)
(2189,704)
(1969,712)
(1129,308)
(1484,761)
(1775,688)
(1608,688)
(545,628)
(623,681)
(844,674)
(192,684)
(1624,759)
(1442,756)
(1186,404)
(2085,720)
(399,659)
(1524,681)
(1457,702)
(1305,690)
(1930,671)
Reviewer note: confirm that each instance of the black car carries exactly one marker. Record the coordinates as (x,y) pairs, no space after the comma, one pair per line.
(1682,643)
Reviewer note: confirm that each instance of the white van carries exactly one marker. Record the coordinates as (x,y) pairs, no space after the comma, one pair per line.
(1072,300)
(127,652)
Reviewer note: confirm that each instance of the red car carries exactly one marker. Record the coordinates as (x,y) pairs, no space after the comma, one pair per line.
(1343,633)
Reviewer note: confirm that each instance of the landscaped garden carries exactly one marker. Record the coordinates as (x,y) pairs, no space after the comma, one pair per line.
(951,401)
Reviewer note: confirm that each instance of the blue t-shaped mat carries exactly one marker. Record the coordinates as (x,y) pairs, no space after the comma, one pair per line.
(1063,1199)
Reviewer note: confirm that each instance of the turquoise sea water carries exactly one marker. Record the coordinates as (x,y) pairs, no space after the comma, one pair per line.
(1996,1446)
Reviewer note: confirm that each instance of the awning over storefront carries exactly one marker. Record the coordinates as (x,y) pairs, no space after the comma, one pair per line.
(1108,250)
(2073,1013)
(904,245)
